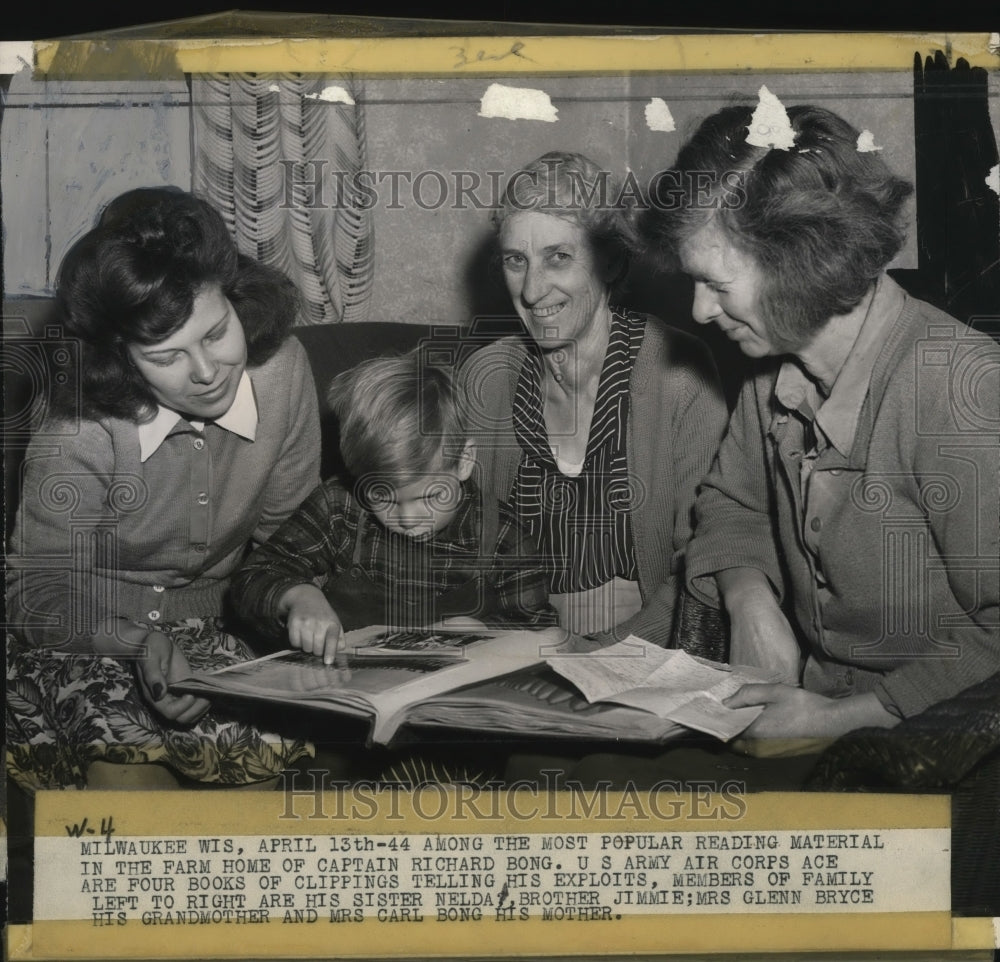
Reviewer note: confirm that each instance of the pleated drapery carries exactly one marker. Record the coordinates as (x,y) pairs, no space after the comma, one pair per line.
(279,155)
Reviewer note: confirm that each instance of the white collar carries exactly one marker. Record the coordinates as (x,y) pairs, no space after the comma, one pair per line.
(241,419)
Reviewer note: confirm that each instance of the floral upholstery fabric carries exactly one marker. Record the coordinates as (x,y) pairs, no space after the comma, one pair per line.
(65,711)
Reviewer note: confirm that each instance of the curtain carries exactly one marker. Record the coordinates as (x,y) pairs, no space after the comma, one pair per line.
(279,155)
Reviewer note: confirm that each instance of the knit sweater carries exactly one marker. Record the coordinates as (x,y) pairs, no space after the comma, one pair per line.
(890,572)
(100,532)
(676,417)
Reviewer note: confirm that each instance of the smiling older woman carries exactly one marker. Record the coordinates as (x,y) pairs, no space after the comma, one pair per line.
(849,524)
(599,423)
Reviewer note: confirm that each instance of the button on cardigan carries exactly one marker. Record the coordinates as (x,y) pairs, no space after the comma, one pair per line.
(893,583)
(102,533)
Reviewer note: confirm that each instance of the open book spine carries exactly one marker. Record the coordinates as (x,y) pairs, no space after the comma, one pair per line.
(496,658)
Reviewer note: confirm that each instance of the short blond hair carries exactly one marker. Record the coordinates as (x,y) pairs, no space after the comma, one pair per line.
(398,416)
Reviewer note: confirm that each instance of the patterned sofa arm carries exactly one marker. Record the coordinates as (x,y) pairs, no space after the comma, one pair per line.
(700,629)
(953,746)
(935,749)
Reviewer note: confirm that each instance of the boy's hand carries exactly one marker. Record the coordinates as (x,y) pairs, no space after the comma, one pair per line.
(313,626)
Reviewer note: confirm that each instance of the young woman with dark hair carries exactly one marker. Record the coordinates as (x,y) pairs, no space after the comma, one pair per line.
(132,282)
(196,435)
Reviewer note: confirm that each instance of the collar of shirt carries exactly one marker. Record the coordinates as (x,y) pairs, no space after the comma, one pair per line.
(610,404)
(837,416)
(241,419)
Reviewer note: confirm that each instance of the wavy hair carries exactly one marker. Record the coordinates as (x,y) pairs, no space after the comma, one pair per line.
(821,220)
(134,278)
(397,415)
(574,188)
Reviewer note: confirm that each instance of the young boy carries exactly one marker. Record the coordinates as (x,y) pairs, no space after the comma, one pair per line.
(410,542)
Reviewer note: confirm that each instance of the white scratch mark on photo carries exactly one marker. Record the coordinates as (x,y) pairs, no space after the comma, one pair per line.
(517,103)
(993,179)
(333,95)
(866,142)
(770,126)
(16,55)
(658,116)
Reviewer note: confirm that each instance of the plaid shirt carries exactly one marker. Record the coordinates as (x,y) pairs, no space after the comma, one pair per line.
(318,541)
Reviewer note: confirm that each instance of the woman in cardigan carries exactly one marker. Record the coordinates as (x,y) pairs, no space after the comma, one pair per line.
(598,424)
(849,524)
(189,435)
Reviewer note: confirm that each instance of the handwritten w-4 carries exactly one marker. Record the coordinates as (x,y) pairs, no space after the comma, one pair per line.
(77,829)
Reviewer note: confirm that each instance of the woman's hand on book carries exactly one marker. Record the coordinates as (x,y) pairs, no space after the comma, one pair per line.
(792,715)
(161,663)
(313,626)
